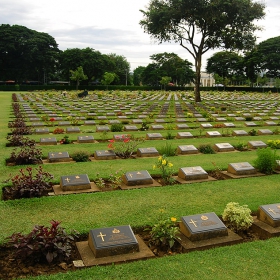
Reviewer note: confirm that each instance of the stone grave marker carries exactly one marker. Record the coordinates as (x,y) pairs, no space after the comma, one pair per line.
(256,144)
(241,168)
(182,126)
(36,124)
(73,129)
(137,121)
(182,135)
(201,119)
(240,133)
(114,121)
(187,150)
(48,141)
(75,182)
(250,124)
(130,128)
(265,132)
(58,157)
(239,119)
(223,147)
(147,152)
(270,123)
(112,241)
(104,154)
(192,173)
(102,128)
(89,122)
(154,136)
(135,178)
(206,125)
(229,125)
(42,131)
(270,214)
(213,134)
(202,226)
(85,139)
(157,127)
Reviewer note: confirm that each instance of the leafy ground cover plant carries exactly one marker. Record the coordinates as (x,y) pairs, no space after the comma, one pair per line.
(16,140)
(238,217)
(65,140)
(240,146)
(50,243)
(27,154)
(165,231)
(124,146)
(167,150)
(206,149)
(80,156)
(117,127)
(58,130)
(274,144)
(266,160)
(29,183)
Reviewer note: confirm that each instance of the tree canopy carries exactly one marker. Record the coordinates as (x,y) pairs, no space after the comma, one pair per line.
(199,25)
(25,53)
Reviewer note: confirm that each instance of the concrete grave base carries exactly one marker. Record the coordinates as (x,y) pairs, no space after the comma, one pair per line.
(67,160)
(182,181)
(126,187)
(90,260)
(58,190)
(235,176)
(188,245)
(264,230)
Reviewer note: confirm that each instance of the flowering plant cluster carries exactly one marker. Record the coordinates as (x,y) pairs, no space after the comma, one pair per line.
(165,231)
(166,169)
(125,145)
(274,144)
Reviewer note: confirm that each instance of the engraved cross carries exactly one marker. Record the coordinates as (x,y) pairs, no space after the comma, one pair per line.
(101,235)
(193,222)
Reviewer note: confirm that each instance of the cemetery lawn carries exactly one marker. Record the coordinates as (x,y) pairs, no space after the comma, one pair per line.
(140,208)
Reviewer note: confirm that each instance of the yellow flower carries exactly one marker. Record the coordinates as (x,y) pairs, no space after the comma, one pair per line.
(163,162)
(154,167)
(173,219)
(170,164)
(160,158)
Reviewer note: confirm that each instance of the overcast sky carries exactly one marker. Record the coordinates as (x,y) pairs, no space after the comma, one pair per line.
(109,26)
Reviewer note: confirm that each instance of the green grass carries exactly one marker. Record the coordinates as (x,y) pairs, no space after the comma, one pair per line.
(140,207)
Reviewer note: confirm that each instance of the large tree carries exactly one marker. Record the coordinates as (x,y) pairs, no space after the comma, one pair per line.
(264,58)
(26,54)
(201,25)
(228,65)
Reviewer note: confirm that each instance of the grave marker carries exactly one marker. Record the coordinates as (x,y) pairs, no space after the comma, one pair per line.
(223,147)
(187,149)
(134,178)
(202,226)
(182,135)
(241,168)
(85,139)
(270,214)
(112,241)
(48,141)
(154,136)
(104,154)
(147,152)
(192,173)
(58,157)
(256,144)
(74,182)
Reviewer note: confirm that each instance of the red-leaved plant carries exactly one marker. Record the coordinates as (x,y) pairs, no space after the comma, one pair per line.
(28,184)
(125,145)
(50,243)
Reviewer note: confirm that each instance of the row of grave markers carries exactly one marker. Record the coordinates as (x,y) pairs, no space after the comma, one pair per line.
(142,178)
(200,231)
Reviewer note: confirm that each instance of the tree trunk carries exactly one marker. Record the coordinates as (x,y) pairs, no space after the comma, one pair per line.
(197,97)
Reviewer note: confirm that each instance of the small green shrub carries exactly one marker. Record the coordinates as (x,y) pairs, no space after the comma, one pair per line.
(206,149)
(168,150)
(238,217)
(117,127)
(165,232)
(274,144)
(240,146)
(80,156)
(252,132)
(266,161)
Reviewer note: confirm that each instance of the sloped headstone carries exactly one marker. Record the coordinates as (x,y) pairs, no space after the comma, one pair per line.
(75,182)
(112,241)
(147,152)
(202,226)
(58,157)
(192,173)
(85,139)
(270,214)
(104,154)
(187,149)
(241,168)
(134,178)
(48,141)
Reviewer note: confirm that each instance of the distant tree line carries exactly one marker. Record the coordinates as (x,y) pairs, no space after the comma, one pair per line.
(26,54)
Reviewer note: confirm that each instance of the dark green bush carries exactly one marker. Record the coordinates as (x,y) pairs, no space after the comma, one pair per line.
(266,160)
(80,156)
(206,149)
(117,127)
